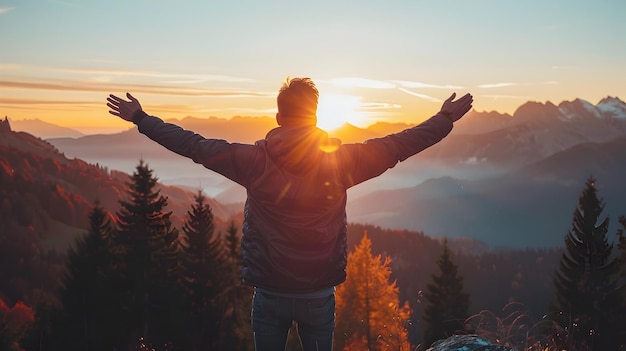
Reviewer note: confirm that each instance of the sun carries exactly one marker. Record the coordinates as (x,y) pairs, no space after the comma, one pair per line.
(335,110)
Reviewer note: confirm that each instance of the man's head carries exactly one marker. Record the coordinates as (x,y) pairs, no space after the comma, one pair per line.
(297,103)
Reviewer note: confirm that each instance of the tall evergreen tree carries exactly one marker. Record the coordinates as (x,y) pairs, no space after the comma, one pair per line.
(86,290)
(149,264)
(204,275)
(586,282)
(237,297)
(446,304)
(369,316)
(621,244)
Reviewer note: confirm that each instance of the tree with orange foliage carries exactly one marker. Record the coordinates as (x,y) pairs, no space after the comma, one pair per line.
(369,316)
(15,322)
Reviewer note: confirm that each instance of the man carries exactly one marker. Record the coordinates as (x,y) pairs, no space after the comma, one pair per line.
(294,232)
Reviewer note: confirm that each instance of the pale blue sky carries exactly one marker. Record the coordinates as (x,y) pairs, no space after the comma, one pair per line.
(396,60)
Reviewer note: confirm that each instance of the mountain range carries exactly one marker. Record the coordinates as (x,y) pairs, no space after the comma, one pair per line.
(508,180)
(45,198)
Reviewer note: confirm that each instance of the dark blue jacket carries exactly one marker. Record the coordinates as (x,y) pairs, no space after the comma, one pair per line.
(294,231)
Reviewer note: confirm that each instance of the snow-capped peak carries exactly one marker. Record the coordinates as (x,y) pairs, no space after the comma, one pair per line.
(613,107)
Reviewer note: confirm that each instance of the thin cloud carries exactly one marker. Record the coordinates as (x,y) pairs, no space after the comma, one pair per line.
(174,76)
(4,10)
(417,85)
(171,78)
(566,68)
(496,85)
(138,88)
(17,101)
(500,96)
(423,96)
(9,67)
(362,83)
(379,106)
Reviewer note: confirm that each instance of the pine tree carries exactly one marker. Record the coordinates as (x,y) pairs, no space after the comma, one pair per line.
(621,245)
(446,304)
(369,316)
(237,298)
(204,268)
(85,294)
(149,264)
(586,282)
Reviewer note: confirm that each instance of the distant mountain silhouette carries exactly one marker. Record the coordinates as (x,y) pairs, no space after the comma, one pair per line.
(43,129)
(528,206)
(487,150)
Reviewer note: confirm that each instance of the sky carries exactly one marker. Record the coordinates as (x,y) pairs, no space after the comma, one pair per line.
(372,60)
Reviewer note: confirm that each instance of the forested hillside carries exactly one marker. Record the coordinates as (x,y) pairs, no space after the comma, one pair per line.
(45,199)
(67,227)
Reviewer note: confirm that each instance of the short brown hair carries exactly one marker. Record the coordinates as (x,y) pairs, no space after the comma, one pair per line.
(297,102)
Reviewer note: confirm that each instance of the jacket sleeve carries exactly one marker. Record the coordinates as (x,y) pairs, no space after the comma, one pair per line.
(374,156)
(227,159)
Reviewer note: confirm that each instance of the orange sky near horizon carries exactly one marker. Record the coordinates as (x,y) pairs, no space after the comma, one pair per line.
(372,61)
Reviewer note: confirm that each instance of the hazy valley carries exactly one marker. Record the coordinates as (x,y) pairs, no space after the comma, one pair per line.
(506,180)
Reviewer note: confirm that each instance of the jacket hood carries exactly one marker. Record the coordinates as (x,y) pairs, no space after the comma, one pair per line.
(299,149)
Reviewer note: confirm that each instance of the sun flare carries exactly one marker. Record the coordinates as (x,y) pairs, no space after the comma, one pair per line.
(334,110)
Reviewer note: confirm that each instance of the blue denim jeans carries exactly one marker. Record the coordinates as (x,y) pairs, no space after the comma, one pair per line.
(272,316)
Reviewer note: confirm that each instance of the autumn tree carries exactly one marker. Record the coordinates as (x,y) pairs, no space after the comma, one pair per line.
(587,289)
(446,304)
(369,316)
(15,323)
(204,274)
(149,264)
(86,293)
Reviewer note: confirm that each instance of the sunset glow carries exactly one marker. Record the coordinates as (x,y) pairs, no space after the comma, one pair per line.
(379,61)
(333,111)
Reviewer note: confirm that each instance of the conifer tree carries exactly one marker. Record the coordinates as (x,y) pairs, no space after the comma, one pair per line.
(446,304)
(368,314)
(621,244)
(586,282)
(237,297)
(86,290)
(149,264)
(204,275)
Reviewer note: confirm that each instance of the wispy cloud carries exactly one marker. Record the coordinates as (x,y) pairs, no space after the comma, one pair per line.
(362,83)
(379,106)
(566,68)
(102,73)
(18,101)
(9,67)
(423,96)
(496,85)
(175,77)
(418,85)
(501,96)
(138,88)
(4,10)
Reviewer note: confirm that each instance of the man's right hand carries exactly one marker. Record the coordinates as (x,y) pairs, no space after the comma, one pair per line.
(122,108)
(456,109)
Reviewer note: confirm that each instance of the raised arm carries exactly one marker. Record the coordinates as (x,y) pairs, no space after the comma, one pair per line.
(126,110)
(456,109)
(373,157)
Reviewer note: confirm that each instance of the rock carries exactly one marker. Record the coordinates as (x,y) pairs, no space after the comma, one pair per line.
(467,343)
